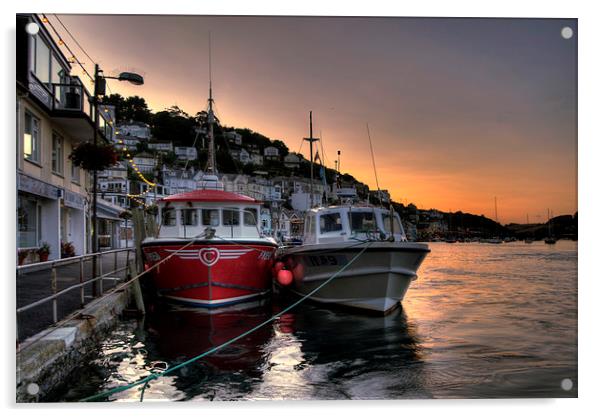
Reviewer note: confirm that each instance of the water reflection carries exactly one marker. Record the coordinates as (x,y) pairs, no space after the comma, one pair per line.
(482,321)
(337,354)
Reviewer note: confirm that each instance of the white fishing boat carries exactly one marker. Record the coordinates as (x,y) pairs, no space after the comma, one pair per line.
(333,236)
(378,280)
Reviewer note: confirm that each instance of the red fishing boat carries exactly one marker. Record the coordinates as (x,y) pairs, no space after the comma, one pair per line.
(217,252)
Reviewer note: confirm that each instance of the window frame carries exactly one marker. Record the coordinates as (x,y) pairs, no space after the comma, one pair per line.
(175,216)
(230,209)
(247,211)
(76,179)
(183,217)
(59,169)
(340,223)
(209,210)
(36,70)
(35,132)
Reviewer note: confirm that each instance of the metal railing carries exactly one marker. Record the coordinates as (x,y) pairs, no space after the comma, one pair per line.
(70,97)
(96,276)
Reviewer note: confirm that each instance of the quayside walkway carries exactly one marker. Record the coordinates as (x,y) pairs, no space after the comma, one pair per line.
(47,292)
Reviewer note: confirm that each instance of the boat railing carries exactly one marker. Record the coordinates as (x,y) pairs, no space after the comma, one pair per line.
(45,283)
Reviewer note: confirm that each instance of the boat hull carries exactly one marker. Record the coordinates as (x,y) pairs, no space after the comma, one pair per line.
(210,273)
(377,281)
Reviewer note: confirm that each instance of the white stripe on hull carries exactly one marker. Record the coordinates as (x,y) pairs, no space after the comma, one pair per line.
(215,302)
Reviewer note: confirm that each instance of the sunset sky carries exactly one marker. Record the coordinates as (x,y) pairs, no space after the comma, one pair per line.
(460,110)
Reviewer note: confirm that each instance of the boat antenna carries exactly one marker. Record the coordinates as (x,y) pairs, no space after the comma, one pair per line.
(211,163)
(380,197)
(311,141)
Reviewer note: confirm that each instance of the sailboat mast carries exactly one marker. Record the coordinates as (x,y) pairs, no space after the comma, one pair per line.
(211,163)
(495,205)
(374,166)
(311,141)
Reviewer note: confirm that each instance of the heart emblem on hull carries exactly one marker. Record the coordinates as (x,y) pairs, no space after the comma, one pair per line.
(209,256)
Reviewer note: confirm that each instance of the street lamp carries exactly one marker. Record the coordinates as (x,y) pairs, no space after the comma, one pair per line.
(99,90)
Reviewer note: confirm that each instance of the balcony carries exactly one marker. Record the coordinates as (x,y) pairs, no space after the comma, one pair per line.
(70,106)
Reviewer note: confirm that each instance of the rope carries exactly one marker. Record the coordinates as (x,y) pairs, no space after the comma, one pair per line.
(149,378)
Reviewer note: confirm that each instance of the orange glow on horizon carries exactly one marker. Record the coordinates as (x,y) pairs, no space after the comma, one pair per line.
(452,128)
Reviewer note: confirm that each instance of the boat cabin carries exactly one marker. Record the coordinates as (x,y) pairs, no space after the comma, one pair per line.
(344,223)
(231,215)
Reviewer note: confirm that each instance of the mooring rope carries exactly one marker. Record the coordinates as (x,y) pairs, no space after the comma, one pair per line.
(146,380)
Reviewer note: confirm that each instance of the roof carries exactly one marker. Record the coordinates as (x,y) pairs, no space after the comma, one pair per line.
(211,196)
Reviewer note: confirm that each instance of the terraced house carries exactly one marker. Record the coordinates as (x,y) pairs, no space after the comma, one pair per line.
(54,114)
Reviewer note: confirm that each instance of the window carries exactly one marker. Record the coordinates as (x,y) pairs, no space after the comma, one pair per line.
(210,217)
(57,153)
(28,222)
(42,60)
(189,217)
(57,72)
(31,138)
(387,224)
(230,217)
(75,173)
(250,216)
(168,216)
(330,223)
(362,222)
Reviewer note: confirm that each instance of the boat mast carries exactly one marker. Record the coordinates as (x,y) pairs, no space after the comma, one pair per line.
(380,197)
(211,163)
(311,141)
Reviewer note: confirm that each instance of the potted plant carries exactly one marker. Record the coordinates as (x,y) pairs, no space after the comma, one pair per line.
(44,251)
(67,250)
(22,253)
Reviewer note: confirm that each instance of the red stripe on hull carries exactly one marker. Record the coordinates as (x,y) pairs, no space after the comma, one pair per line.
(211,273)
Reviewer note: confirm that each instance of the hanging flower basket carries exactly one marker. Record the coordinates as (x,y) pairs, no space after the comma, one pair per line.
(93,157)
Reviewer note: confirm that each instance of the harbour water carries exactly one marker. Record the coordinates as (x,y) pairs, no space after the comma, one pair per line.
(482,321)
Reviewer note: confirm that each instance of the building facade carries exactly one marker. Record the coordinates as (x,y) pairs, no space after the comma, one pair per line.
(54,113)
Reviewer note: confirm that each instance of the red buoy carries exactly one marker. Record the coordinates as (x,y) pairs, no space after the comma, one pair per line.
(285,277)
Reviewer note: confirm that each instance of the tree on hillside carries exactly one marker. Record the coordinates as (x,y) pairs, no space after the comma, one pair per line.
(281,147)
(171,124)
(130,108)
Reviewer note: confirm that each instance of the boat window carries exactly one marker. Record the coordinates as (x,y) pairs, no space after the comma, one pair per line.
(230,217)
(189,217)
(210,217)
(363,221)
(330,222)
(168,216)
(387,224)
(250,216)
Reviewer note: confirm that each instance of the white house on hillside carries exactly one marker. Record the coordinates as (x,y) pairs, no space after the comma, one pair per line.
(161,146)
(271,153)
(136,129)
(145,162)
(186,153)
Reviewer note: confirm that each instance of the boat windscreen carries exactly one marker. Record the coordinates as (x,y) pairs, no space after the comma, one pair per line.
(363,222)
(330,222)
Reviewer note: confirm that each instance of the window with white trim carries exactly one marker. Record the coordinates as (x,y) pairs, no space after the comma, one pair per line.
(57,153)
(31,138)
